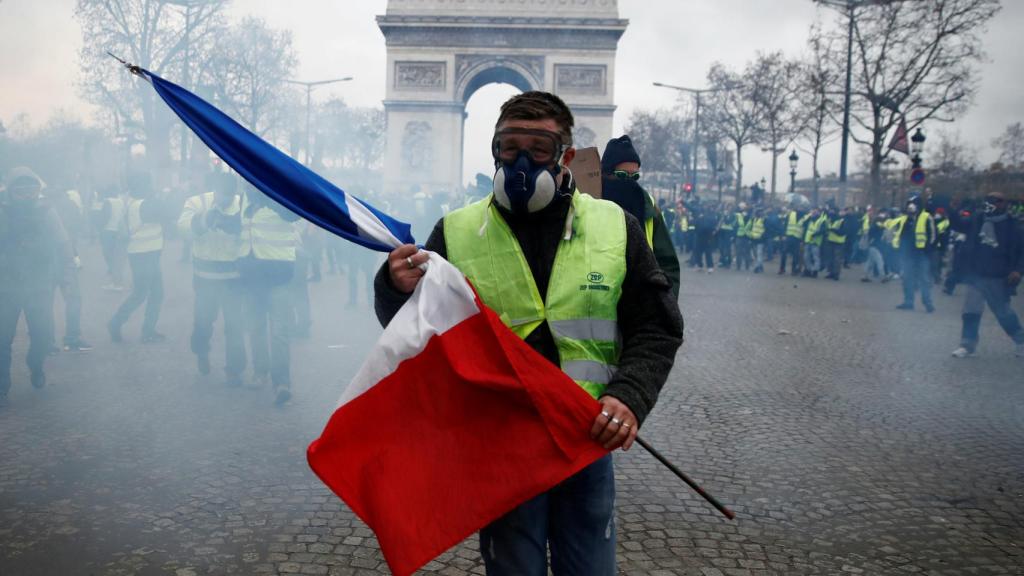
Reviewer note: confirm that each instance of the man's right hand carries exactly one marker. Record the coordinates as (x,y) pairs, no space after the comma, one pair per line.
(404,267)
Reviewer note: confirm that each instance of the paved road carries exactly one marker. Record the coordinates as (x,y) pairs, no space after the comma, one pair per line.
(840,430)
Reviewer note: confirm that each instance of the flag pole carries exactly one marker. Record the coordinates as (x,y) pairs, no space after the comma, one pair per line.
(682,476)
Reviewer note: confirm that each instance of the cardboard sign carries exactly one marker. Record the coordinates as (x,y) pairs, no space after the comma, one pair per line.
(586,169)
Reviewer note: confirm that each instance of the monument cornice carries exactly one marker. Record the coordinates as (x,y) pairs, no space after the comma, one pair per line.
(389,22)
(503,37)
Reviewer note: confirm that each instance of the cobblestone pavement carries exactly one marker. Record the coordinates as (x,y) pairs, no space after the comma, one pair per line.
(839,429)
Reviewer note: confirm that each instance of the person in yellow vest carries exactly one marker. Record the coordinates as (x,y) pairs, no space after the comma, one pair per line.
(835,242)
(620,175)
(814,236)
(618,344)
(144,214)
(794,234)
(112,220)
(213,223)
(266,263)
(914,238)
(756,234)
(743,256)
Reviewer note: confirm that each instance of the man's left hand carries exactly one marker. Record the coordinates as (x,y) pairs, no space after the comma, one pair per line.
(615,426)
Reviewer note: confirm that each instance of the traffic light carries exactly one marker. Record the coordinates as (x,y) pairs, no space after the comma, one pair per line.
(687,187)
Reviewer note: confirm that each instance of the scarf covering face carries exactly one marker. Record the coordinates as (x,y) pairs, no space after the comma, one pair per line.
(988,230)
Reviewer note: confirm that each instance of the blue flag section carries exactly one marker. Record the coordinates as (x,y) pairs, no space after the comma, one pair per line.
(280,176)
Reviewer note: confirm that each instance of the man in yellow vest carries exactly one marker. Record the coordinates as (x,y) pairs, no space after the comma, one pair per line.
(756,229)
(914,238)
(835,242)
(212,221)
(794,222)
(743,256)
(145,245)
(817,225)
(618,343)
(112,220)
(620,175)
(266,263)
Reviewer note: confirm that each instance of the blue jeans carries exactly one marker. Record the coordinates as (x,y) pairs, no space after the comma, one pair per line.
(577,517)
(916,277)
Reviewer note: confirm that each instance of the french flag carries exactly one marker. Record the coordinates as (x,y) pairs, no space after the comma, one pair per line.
(453,420)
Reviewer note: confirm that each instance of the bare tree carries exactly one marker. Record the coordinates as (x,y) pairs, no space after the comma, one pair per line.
(733,113)
(1011,146)
(349,138)
(661,139)
(916,60)
(773,81)
(818,104)
(249,65)
(151,34)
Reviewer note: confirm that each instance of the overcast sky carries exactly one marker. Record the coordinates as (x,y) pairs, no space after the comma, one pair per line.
(671,41)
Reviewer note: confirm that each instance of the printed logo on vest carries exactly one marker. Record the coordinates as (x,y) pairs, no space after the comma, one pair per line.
(595,277)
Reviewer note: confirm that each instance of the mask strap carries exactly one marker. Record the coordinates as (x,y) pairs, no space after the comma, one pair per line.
(568,223)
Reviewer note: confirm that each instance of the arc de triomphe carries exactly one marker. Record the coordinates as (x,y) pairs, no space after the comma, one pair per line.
(439,52)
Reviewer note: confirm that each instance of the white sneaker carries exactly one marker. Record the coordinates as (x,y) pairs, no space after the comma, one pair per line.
(711,270)
(962,352)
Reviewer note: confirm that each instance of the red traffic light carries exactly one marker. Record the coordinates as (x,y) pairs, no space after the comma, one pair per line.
(687,187)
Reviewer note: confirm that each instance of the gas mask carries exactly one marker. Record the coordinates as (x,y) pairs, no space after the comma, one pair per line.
(990,208)
(523,181)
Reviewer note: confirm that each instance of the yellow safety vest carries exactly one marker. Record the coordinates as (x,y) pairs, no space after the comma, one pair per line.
(920,230)
(214,252)
(942,225)
(741,225)
(142,236)
(267,236)
(756,230)
(581,305)
(794,227)
(117,215)
(834,234)
(812,237)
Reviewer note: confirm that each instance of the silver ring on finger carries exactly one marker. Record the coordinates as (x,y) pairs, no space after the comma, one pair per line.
(626,425)
(606,415)
(616,421)
(408,262)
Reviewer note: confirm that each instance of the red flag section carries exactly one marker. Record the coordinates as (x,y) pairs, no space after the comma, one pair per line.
(461,431)
(900,142)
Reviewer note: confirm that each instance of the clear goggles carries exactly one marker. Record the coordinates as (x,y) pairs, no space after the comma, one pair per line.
(543,147)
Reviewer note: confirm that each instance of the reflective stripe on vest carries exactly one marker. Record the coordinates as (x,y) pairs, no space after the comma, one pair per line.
(142,236)
(834,234)
(581,307)
(267,236)
(793,226)
(920,230)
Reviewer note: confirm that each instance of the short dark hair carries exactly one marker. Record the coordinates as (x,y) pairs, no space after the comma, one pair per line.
(537,105)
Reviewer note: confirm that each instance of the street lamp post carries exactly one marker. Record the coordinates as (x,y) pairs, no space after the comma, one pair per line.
(186,76)
(848,8)
(793,159)
(696,125)
(309,95)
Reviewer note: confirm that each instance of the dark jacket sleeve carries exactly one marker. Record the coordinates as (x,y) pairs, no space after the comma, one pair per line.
(651,327)
(386,299)
(665,254)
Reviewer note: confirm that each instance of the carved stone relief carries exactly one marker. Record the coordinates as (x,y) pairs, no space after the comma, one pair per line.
(420,75)
(466,62)
(580,79)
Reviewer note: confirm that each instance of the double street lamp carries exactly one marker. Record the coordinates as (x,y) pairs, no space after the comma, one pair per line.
(309,94)
(696,126)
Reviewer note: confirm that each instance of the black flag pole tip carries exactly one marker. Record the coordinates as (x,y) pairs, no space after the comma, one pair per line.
(131,67)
